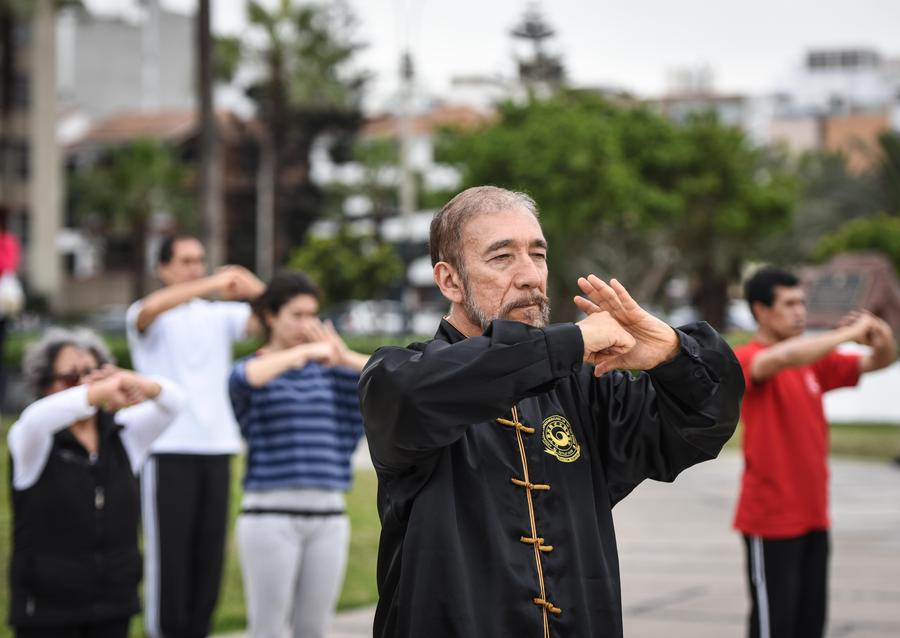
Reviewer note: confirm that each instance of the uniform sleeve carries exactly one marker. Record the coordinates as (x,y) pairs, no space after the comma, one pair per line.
(676,415)
(415,401)
(235,314)
(145,422)
(837,370)
(30,438)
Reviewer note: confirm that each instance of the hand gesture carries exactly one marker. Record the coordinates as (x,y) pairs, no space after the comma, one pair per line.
(120,390)
(861,324)
(655,341)
(236,282)
(867,329)
(605,341)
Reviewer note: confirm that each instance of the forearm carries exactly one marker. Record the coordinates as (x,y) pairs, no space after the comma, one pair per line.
(31,437)
(797,351)
(353,360)
(262,369)
(416,401)
(678,414)
(169,297)
(145,422)
(881,356)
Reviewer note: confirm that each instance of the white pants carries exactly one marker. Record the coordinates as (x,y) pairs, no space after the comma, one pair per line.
(293,568)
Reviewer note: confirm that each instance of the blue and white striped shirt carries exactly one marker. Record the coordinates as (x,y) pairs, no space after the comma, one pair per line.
(301,427)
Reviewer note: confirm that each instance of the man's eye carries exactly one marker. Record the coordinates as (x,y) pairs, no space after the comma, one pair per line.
(539,255)
(502,257)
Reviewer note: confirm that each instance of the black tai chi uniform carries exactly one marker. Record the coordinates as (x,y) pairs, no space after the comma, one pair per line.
(499,459)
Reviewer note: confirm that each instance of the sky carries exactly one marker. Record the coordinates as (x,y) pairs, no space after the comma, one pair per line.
(750,47)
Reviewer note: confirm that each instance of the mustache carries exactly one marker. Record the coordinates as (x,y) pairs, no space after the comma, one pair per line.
(534,299)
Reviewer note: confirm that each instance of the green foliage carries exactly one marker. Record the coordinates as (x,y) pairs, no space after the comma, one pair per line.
(830,196)
(226,57)
(887,172)
(348,266)
(879,233)
(128,184)
(629,193)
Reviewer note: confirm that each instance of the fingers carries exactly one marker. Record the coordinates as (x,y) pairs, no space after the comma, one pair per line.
(586,306)
(103,372)
(605,292)
(623,295)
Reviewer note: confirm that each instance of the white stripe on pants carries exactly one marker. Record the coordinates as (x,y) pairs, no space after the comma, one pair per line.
(151,548)
(293,568)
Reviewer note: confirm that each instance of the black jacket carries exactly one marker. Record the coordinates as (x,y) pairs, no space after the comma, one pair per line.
(470,545)
(75,556)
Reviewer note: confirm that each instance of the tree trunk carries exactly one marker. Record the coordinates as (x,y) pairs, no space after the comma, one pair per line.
(710,298)
(139,259)
(265,210)
(210,179)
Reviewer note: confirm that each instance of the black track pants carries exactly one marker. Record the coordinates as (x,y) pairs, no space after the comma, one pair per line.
(788,580)
(185,510)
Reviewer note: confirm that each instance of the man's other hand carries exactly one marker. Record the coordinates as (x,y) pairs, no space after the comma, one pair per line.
(655,341)
(605,341)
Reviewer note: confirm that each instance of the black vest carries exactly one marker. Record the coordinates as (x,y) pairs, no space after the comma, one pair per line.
(75,556)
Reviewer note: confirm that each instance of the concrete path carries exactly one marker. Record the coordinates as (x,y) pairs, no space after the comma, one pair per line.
(682,565)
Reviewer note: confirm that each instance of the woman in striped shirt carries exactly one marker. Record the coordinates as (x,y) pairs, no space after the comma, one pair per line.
(296,403)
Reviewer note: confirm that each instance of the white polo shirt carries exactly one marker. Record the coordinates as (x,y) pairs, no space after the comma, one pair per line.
(191,344)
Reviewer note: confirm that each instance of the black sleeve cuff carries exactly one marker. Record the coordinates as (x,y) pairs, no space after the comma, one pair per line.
(565,348)
(686,365)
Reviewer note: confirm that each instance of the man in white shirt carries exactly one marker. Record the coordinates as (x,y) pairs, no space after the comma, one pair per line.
(177,333)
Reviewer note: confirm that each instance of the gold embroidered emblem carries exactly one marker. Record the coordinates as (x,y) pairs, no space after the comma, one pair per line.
(559,439)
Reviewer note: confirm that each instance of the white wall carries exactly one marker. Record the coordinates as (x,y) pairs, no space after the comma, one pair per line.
(875,399)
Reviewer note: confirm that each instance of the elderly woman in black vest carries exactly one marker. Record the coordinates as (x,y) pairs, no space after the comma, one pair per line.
(75,455)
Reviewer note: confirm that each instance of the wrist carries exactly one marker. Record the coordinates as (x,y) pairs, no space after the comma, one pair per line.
(674,345)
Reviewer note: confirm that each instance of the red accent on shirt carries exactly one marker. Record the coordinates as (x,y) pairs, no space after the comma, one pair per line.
(784,489)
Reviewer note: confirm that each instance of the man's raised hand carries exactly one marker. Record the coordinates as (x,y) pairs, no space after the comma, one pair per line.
(655,341)
(605,341)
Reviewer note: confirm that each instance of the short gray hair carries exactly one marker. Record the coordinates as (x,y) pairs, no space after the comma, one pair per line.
(445,241)
(39,357)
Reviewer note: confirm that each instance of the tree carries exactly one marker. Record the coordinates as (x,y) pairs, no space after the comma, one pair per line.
(308,89)
(880,233)
(348,266)
(829,197)
(624,192)
(124,188)
(731,198)
(886,173)
(566,153)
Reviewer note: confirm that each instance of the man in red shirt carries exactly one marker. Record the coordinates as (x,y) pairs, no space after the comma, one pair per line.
(783,507)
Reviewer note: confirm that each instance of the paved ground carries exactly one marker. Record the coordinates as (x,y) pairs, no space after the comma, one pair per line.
(682,566)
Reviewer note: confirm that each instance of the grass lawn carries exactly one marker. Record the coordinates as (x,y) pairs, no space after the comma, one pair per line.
(876,442)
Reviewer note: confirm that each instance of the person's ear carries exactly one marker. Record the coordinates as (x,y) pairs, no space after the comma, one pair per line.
(758,310)
(448,280)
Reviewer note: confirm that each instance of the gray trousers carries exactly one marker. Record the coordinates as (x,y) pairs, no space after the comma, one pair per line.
(293,568)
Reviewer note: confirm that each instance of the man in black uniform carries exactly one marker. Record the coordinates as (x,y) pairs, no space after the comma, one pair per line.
(500,453)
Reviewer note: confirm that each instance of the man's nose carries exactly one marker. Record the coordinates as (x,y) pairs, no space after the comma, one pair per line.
(529,274)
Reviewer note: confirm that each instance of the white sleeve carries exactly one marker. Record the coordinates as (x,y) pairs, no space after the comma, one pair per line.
(144,422)
(30,439)
(236,315)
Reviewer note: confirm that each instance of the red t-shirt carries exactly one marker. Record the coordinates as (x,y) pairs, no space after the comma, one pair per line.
(784,490)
